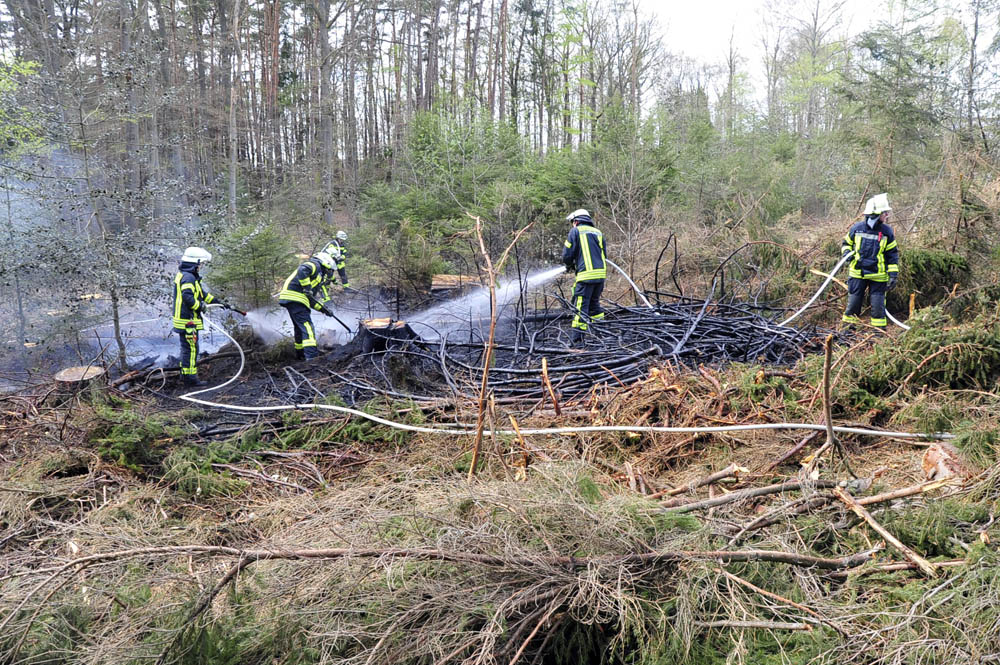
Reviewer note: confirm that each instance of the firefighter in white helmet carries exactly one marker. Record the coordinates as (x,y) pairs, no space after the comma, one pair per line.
(337,248)
(304,290)
(874,264)
(190,299)
(584,252)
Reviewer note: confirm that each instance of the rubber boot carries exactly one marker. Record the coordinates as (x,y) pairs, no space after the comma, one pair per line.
(854,304)
(575,336)
(192,381)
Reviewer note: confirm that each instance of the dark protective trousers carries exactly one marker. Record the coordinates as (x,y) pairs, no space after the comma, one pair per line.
(587,301)
(302,325)
(856,288)
(189,350)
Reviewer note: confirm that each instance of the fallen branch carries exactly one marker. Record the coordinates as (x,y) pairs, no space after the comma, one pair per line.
(428,554)
(548,385)
(892,567)
(782,599)
(753,492)
(859,510)
(731,471)
(764,625)
(806,440)
(904,492)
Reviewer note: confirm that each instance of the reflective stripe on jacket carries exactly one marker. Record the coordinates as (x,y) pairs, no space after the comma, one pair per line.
(874,251)
(584,250)
(190,297)
(306,286)
(339,253)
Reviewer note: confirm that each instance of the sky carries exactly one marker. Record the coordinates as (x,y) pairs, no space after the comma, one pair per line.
(701,29)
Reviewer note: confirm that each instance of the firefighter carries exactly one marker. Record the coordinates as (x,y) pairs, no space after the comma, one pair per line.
(305,289)
(585,253)
(874,264)
(337,248)
(190,299)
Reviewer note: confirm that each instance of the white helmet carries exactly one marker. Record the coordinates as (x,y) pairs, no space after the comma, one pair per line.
(325,260)
(877,204)
(342,236)
(577,214)
(196,255)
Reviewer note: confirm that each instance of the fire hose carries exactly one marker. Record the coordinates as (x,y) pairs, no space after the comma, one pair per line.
(629,280)
(826,283)
(470,429)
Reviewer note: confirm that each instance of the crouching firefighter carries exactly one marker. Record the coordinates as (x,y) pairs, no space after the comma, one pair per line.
(874,264)
(305,290)
(585,253)
(190,299)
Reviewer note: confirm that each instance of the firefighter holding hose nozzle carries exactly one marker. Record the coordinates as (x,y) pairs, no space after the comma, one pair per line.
(585,254)
(304,290)
(190,301)
(874,264)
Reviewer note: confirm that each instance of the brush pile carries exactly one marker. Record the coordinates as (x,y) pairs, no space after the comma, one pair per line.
(618,350)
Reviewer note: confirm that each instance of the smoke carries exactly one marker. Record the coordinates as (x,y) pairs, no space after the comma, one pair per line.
(272,324)
(474,308)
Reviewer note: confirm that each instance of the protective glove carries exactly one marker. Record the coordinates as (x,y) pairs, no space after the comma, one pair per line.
(326,311)
(892,281)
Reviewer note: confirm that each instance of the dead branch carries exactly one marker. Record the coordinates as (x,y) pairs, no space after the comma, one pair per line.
(752,492)
(731,471)
(858,510)
(764,625)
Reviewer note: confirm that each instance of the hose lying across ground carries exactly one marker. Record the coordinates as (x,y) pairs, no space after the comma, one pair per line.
(829,278)
(470,429)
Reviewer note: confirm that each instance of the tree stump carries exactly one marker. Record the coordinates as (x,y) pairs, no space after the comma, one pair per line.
(71,381)
(379,335)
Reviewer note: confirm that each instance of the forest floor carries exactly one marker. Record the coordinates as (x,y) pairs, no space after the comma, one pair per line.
(136,526)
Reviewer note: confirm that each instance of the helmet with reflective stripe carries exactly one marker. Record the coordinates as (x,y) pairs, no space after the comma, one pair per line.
(341,236)
(877,204)
(325,260)
(196,255)
(579,215)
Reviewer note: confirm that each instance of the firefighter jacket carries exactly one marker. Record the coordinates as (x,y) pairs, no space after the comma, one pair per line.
(307,286)
(584,251)
(874,251)
(338,251)
(190,297)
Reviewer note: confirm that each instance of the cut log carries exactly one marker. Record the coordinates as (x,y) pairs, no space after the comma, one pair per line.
(78,376)
(448,284)
(72,380)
